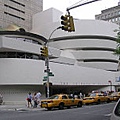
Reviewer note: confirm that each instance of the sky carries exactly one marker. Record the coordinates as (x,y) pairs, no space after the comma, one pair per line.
(83,12)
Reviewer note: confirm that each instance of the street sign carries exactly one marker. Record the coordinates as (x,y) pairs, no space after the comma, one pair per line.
(51,74)
(45,78)
(47,70)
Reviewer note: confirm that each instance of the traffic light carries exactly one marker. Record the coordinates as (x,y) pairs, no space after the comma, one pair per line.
(67,23)
(44,51)
(72,27)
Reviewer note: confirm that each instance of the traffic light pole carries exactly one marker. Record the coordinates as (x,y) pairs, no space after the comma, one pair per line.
(47,65)
(47,68)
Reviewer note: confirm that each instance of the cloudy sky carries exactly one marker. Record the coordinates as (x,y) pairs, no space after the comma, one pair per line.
(84,12)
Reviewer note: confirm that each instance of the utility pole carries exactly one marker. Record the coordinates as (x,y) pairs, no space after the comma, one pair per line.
(68,21)
(75,6)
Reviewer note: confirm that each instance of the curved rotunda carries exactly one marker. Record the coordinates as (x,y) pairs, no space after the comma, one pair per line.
(90,50)
(91,45)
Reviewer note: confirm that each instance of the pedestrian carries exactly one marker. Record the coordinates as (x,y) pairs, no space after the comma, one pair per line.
(38,95)
(35,100)
(81,96)
(29,99)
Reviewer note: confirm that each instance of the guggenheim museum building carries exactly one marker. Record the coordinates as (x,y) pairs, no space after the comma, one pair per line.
(80,61)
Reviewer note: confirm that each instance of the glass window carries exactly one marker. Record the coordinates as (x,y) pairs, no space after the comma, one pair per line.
(119,12)
(64,97)
(54,97)
(117,110)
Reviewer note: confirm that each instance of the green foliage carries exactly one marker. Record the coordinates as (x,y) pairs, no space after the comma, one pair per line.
(117,50)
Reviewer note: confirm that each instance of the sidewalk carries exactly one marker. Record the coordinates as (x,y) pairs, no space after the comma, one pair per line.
(18,108)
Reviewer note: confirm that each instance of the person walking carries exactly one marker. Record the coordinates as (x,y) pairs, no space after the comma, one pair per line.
(29,99)
(35,100)
(38,95)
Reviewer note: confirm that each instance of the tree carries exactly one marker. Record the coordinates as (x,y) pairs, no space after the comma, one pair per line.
(117,50)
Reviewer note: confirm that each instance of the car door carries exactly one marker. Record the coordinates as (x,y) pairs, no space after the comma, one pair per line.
(72,100)
(65,100)
(101,97)
(116,112)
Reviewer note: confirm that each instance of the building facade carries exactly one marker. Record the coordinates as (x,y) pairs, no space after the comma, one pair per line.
(80,61)
(110,14)
(91,45)
(19,12)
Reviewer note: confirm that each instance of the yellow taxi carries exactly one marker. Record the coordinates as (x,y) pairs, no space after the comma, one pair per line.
(114,96)
(60,101)
(96,98)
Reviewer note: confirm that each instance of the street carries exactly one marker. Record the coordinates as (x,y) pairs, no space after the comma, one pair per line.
(89,112)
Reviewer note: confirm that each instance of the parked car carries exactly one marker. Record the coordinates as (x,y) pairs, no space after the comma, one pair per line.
(1,99)
(96,98)
(114,96)
(116,112)
(60,101)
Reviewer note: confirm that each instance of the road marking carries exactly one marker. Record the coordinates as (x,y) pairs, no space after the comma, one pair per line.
(108,115)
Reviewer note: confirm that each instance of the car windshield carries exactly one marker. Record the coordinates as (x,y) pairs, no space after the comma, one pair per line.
(114,94)
(54,97)
(93,95)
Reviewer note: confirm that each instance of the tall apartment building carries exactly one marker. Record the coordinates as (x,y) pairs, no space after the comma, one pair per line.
(111,14)
(19,12)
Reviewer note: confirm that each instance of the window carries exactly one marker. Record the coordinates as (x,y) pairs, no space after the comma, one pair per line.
(117,110)
(54,97)
(14,8)
(19,55)
(64,97)
(14,16)
(118,12)
(17,3)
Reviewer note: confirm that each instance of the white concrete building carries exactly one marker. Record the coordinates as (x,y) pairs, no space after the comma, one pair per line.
(82,60)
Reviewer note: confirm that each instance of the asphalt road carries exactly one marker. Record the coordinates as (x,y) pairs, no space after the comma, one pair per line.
(90,112)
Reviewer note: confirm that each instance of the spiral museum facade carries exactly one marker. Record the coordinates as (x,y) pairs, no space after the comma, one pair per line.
(82,60)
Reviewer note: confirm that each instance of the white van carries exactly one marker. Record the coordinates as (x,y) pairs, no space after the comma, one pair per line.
(116,112)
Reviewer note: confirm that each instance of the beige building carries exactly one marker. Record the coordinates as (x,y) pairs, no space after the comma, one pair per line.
(19,12)
(111,14)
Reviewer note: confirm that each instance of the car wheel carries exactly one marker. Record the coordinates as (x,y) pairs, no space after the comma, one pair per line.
(68,107)
(108,100)
(79,104)
(98,102)
(49,108)
(61,106)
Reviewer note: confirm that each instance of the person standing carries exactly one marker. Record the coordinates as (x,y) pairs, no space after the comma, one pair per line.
(35,100)
(38,95)
(29,99)
(81,95)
